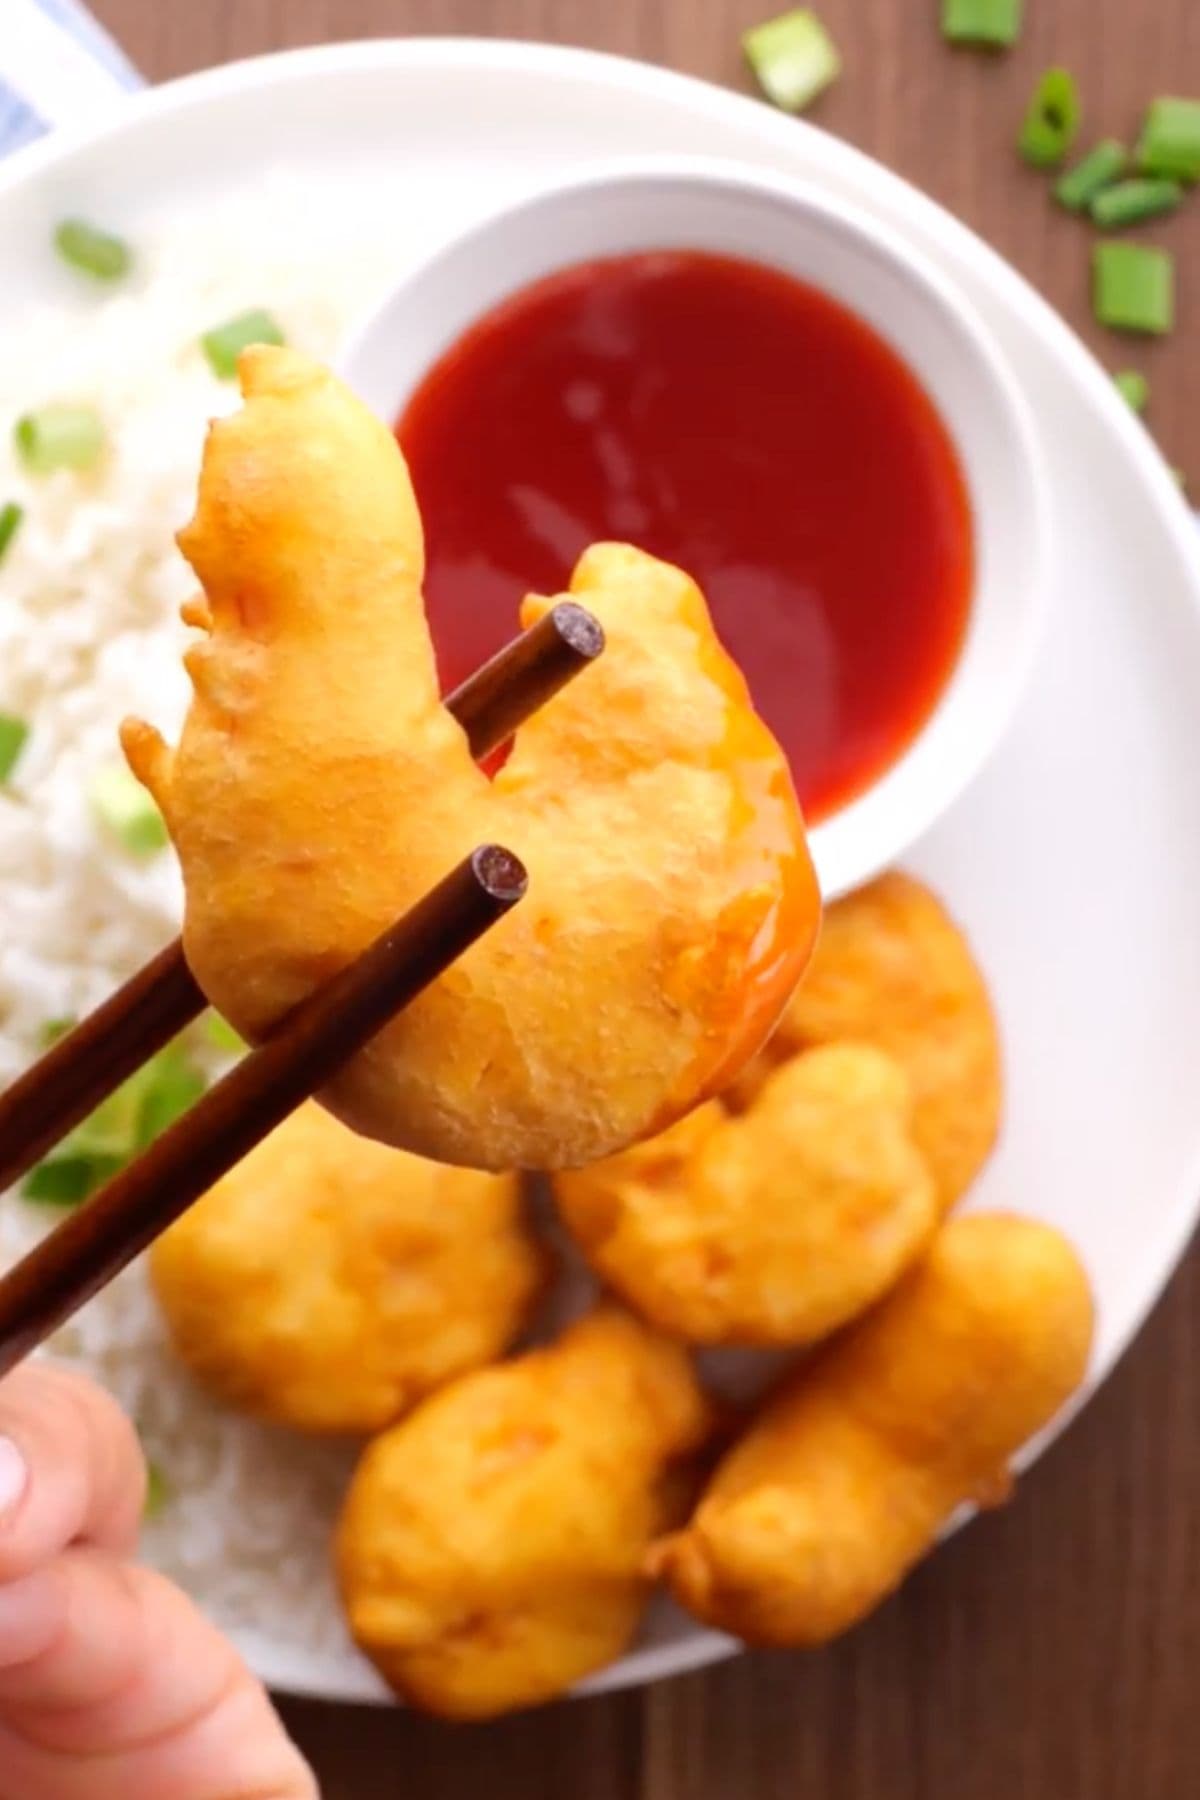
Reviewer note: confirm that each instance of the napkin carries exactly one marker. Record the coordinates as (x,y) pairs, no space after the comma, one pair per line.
(57,66)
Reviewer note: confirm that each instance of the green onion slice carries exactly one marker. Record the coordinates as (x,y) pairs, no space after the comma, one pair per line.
(94,252)
(1170,140)
(1052,122)
(1130,202)
(59,437)
(13,734)
(158,1490)
(10,520)
(995,23)
(123,807)
(225,343)
(1079,186)
(1133,388)
(1133,288)
(222,1036)
(793,58)
(68,1178)
(54,1029)
(120,1128)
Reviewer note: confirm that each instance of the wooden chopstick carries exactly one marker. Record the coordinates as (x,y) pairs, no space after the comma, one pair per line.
(90,1062)
(96,1242)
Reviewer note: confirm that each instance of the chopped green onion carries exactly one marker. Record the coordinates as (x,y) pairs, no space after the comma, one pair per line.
(54,1029)
(13,733)
(1129,202)
(127,812)
(68,1178)
(59,437)
(793,57)
(10,519)
(96,252)
(1052,121)
(158,1490)
(1170,140)
(1133,288)
(119,1129)
(996,23)
(1133,388)
(222,1036)
(173,1090)
(1079,186)
(225,343)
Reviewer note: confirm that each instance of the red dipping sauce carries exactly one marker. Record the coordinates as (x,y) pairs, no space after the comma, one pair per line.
(734,421)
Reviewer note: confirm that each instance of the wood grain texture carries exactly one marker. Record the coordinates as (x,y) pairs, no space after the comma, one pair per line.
(1051,1652)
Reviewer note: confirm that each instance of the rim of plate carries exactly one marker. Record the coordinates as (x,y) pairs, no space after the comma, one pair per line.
(1162,1253)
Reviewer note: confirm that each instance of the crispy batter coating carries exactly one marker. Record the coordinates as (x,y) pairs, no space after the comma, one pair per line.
(848,1475)
(773,1227)
(893,969)
(320,788)
(492,1545)
(328,1282)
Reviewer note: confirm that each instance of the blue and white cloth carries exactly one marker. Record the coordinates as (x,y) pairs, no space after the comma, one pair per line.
(57,64)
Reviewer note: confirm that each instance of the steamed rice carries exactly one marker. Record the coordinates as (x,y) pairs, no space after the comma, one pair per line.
(89,596)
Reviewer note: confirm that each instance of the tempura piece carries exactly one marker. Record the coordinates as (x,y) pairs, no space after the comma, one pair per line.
(492,1546)
(774,1227)
(847,1477)
(320,788)
(328,1283)
(893,969)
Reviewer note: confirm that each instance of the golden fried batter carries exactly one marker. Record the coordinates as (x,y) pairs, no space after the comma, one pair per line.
(850,1472)
(328,1282)
(773,1227)
(892,969)
(491,1548)
(320,788)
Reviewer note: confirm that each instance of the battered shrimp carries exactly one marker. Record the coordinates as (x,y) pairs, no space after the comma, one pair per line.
(320,788)
(844,1481)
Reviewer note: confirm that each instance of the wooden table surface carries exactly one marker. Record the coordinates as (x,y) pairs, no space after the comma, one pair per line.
(1052,1652)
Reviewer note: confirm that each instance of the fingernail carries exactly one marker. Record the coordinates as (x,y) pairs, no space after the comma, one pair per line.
(14,1474)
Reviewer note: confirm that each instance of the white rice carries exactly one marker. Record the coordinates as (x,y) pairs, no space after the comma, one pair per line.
(89,595)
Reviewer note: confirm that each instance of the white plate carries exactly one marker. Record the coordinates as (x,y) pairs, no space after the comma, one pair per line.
(1074,861)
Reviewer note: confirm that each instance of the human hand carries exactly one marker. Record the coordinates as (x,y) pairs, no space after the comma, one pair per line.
(112,1684)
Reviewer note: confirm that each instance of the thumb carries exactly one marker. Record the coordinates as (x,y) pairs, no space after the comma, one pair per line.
(112,1683)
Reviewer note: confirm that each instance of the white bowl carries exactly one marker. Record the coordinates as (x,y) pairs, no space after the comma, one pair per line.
(723,207)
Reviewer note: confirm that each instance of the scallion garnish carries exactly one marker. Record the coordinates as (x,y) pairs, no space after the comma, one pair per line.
(158,1490)
(793,58)
(1133,388)
(1131,202)
(222,1036)
(68,1178)
(126,811)
(10,519)
(225,343)
(120,1128)
(994,23)
(1079,186)
(95,252)
(1170,140)
(59,437)
(1052,122)
(54,1029)
(13,734)
(1133,288)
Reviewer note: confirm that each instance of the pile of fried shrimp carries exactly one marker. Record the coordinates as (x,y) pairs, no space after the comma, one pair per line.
(749,1141)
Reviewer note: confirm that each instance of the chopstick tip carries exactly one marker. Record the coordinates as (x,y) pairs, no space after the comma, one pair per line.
(579,629)
(500,874)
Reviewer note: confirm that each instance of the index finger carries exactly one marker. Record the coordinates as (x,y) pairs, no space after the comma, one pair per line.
(72,1466)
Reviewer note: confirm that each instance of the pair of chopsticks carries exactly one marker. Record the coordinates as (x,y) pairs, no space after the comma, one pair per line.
(98,1240)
